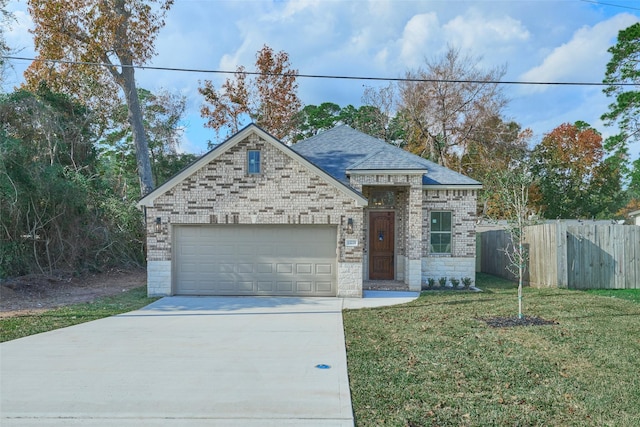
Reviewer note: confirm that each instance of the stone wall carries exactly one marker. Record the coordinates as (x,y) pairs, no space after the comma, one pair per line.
(456,267)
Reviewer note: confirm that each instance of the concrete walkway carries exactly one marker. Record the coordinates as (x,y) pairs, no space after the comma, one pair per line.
(188,361)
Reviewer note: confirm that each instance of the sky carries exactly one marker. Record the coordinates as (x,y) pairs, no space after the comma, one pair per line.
(536,40)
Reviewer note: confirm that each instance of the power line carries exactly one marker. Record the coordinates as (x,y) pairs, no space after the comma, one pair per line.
(610,4)
(322,76)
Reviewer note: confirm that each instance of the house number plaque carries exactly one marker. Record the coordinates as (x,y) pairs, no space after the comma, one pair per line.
(351,242)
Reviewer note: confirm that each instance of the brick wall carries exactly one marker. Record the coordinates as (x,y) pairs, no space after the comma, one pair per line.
(461,262)
(462,204)
(408,217)
(286,192)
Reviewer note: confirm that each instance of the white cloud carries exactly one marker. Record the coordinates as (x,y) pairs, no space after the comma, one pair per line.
(475,31)
(583,58)
(538,40)
(417,33)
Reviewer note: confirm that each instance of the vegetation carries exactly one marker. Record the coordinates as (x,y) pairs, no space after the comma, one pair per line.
(12,328)
(624,67)
(313,119)
(627,294)
(574,180)
(162,115)
(5,21)
(453,99)
(435,362)
(512,192)
(57,211)
(67,191)
(115,33)
(269,99)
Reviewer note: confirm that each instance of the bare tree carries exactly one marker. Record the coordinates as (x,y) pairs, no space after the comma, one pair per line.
(512,190)
(450,100)
(383,101)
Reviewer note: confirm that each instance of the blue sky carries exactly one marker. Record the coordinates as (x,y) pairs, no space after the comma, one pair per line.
(538,40)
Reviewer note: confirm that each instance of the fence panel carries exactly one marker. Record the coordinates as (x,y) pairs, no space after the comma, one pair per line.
(494,260)
(542,241)
(577,257)
(603,256)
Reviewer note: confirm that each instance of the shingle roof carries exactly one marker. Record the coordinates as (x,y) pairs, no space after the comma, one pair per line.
(343,149)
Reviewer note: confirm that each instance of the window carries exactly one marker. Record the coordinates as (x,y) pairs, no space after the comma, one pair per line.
(381,198)
(253,162)
(441,232)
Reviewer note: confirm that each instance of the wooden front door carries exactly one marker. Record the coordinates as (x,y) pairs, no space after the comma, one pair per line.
(381,245)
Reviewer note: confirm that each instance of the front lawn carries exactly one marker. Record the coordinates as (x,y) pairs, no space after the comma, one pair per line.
(628,294)
(15,327)
(434,363)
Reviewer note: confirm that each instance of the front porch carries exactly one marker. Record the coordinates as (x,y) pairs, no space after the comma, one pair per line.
(384,285)
(393,234)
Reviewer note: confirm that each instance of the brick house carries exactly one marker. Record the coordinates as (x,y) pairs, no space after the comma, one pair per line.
(256,217)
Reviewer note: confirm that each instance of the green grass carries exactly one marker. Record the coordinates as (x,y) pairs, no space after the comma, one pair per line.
(628,294)
(433,363)
(21,326)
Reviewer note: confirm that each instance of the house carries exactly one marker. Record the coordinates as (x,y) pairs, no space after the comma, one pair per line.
(635,216)
(256,217)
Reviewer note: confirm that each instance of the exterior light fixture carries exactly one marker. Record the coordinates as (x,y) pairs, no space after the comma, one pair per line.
(158,224)
(350,226)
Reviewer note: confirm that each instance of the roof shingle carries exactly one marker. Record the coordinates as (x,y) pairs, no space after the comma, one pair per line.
(342,149)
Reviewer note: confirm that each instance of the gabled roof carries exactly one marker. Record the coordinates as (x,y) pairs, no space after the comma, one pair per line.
(231,142)
(343,150)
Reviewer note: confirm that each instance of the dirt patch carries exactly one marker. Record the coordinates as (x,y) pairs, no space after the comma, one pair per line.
(508,322)
(37,293)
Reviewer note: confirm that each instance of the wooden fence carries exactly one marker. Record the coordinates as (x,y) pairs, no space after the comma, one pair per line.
(570,256)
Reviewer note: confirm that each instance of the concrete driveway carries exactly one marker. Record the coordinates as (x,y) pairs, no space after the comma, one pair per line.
(187,361)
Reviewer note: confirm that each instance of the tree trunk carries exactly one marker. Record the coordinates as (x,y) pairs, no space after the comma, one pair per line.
(137,126)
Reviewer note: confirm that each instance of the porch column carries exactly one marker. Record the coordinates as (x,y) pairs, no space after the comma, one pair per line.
(413,236)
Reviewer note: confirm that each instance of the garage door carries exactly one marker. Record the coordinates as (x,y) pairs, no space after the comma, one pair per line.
(255,260)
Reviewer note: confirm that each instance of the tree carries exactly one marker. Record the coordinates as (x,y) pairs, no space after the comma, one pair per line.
(162,115)
(624,67)
(119,34)
(633,190)
(313,119)
(449,100)
(366,119)
(269,99)
(380,103)
(496,145)
(572,178)
(512,190)
(5,19)
(56,211)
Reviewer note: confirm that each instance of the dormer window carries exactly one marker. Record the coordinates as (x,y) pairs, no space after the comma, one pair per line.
(253,162)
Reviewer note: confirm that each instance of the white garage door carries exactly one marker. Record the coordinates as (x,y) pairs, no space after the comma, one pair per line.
(255,260)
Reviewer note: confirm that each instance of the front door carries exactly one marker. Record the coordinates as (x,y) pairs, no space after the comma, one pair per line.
(381,245)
